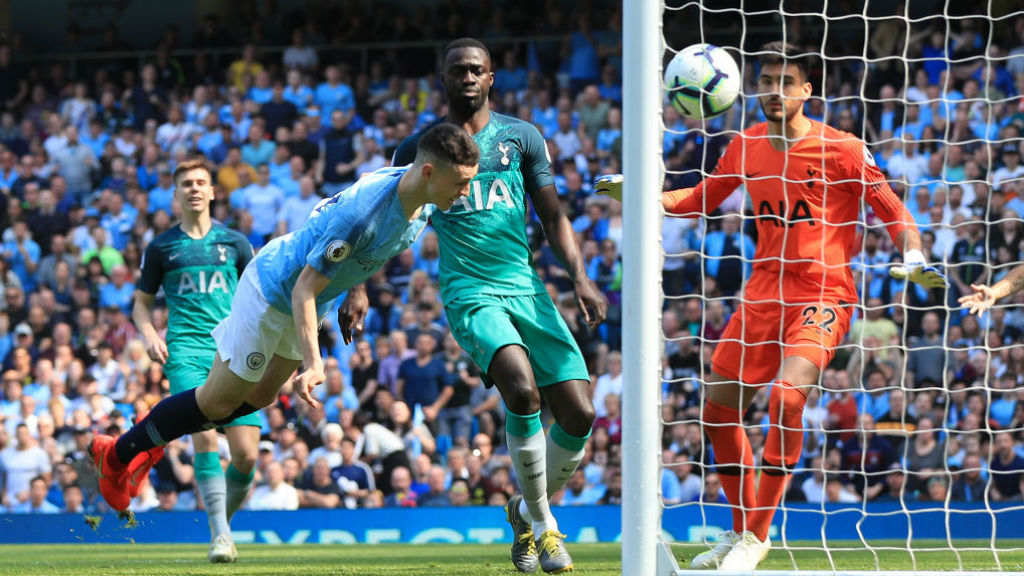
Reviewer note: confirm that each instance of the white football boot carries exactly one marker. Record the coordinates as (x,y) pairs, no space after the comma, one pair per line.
(746,553)
(222,550)
(712,558)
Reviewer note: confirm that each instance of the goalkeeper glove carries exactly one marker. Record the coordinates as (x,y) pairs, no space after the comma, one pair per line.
(916,269)
(609,185)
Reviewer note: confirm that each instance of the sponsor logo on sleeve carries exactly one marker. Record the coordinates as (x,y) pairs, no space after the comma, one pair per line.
(868,158)
(338,250)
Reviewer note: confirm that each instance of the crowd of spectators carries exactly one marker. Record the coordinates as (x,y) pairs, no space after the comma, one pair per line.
(921,402)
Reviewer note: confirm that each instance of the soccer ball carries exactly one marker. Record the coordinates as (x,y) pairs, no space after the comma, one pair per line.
(702,81)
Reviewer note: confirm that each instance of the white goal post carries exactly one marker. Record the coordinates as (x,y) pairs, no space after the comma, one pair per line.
(646,543)
(641,295)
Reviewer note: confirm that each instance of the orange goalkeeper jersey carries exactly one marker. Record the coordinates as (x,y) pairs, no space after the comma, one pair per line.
(807,202)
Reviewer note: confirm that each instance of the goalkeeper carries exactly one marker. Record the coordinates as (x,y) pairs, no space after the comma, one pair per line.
(806,181)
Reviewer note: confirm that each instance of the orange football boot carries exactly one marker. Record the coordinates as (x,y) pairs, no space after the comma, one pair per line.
(113,480)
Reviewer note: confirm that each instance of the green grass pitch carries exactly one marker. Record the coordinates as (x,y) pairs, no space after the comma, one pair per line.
(447,559)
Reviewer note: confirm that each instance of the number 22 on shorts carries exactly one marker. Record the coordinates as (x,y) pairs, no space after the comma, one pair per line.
(821,317)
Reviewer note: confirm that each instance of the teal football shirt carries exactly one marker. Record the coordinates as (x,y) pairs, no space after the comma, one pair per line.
(199,278)
(484,248)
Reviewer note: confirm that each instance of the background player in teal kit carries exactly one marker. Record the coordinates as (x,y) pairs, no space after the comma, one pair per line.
(287,289)
(498,308)
(198,263)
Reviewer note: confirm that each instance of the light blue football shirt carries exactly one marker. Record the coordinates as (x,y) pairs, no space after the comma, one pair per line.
(347,238)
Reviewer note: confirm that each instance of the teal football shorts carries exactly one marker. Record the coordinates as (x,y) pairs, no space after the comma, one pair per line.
(485,323)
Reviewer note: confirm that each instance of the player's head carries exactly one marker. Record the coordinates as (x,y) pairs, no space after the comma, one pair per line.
(784,83)
(446,160)
(467,75)
(193,186)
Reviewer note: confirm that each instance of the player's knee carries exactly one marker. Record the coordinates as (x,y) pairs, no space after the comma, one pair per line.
(715,413)
(521,397)
(786,405)
(579,420)
(244,461)
(516,384)
(785,439)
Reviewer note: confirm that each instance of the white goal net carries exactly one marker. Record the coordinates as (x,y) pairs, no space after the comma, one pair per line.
(913,434)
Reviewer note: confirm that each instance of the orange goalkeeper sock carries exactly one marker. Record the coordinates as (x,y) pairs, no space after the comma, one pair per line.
(734,460)
(781,454)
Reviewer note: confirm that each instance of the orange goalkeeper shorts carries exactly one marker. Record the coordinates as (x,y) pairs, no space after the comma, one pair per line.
(760,335)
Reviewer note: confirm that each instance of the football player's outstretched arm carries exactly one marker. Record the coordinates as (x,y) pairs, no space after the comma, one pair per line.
(701,199)
(891,210)
(682,202)
(562,240)
(915,267)
(309,284)
(899,222)
(536,171)
(984,297)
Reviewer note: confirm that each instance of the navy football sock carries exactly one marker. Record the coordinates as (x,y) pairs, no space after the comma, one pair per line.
(171,418)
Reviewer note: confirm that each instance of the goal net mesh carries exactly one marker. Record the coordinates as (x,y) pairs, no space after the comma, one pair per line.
(931,89)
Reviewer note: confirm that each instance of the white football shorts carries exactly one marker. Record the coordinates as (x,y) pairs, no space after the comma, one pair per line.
(254,331)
